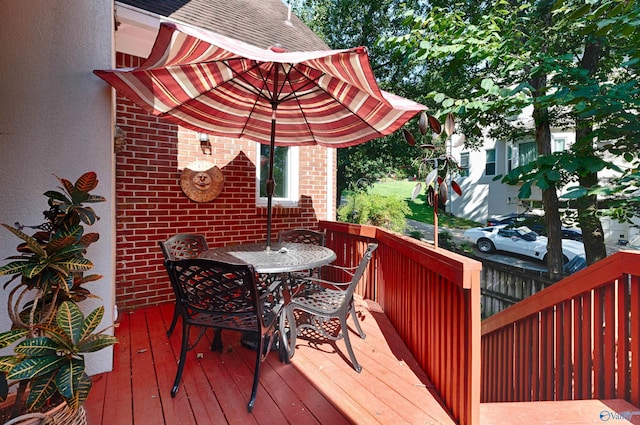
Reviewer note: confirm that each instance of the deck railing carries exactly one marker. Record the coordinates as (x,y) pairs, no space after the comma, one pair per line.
(432,297)
(503,285)
(578,339)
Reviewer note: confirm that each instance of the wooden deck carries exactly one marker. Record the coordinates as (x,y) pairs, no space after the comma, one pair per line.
(317,387)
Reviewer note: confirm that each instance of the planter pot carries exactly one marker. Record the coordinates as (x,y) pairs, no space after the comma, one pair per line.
(59,415)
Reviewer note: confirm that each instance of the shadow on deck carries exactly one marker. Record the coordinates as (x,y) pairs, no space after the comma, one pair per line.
(317,387)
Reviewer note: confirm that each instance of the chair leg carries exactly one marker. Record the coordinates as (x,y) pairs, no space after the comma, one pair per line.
(256,375)
(352,312)
(174,321)
(216,344)
(183,357)
(347,342)
(288,335)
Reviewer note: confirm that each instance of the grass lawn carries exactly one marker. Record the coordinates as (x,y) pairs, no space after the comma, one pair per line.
(421,211)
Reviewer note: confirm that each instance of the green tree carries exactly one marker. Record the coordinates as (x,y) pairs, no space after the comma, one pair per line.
(349,23)
(571,63)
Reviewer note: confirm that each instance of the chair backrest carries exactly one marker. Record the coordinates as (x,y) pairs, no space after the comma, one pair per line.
(215,288)
(362,266)
(183,245)
(302,236)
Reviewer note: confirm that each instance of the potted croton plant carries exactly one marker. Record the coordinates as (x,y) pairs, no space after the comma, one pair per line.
(49,333)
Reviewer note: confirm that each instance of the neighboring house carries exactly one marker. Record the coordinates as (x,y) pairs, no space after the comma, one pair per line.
(57,119)
(484,197)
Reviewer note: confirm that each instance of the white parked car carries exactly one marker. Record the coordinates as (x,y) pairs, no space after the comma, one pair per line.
(520,240)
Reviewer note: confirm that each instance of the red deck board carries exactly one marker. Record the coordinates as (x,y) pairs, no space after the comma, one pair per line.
(572,412)
(319,386)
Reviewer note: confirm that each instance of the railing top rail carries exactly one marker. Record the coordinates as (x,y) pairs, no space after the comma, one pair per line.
(596,275)
(459,269)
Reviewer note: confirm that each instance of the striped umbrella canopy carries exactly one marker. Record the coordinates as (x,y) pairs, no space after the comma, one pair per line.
(214,84)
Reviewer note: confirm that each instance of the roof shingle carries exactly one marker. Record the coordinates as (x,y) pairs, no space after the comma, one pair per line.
(262,23)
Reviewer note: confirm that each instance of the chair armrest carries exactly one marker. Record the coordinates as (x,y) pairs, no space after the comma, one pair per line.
(349,270)
(323,282)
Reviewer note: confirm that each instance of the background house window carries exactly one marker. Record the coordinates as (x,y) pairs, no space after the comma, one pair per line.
(285,174)
(558,144)
(527,152)
(464,164)
(509,158)
(490,166)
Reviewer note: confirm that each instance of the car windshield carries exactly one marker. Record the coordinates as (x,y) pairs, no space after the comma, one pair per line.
(527,234)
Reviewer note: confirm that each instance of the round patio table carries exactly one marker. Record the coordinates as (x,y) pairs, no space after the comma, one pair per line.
(281,258)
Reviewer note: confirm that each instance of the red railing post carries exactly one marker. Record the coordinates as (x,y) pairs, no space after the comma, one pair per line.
(432,298)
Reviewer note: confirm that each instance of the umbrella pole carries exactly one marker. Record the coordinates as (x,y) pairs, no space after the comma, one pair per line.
(270,182)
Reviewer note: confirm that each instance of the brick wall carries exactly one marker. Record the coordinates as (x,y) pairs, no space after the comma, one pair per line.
(151,205)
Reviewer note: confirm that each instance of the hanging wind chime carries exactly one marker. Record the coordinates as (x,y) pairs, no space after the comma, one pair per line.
(438,161)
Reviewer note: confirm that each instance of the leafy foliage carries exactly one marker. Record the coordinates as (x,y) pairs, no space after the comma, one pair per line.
(53,362)
(345,24)
(573,63)
(376,210)
(50,332)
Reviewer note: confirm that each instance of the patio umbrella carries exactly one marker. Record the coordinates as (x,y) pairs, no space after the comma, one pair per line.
(214,84)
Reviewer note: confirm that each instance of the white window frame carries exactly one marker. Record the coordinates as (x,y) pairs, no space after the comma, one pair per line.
(494,162)
(520,155)
(559,144)
(293,178)
(464,164)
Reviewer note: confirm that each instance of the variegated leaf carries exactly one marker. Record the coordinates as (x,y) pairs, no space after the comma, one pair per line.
(36,366)
(9,337)
(60,243)
(57,196)
(76,231)
(14,267)
(68,186)
(8,362)
(39,346)
(96,343)
(68,376)
(87,182)
(77,264)
(89,238)
(69,251)
(33,244)
(96,198)
(91,322)
(70,319)
(35,270)
(89,278)
(41,390)
(87,215)
(82,392)
(58,336)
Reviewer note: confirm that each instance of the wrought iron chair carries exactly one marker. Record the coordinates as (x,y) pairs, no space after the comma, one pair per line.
(219,295)
(178,247)
(302,236)
(320,305)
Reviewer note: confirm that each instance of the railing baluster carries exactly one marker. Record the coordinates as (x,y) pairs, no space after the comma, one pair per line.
(584,338)
(432,297)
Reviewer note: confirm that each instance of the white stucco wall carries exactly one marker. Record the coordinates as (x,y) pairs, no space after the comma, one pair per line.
(56,118)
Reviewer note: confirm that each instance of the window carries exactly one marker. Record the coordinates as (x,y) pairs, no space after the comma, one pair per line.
(527,152)
(285,174)
(490,166)
(509,158)
(558,144)
(464,164)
